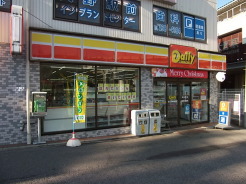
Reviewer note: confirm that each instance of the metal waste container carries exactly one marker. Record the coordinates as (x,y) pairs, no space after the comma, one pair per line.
(154,121)
(140,122)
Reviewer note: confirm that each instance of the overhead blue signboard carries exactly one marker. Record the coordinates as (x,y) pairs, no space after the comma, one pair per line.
(66,9)
(200,27)
(112,13)
(90,11)
(5,5)
(159,21)
(174,23)
(122,14)
(189,27)
(131,15)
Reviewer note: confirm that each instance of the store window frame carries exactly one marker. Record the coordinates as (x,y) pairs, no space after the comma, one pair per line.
(96,127)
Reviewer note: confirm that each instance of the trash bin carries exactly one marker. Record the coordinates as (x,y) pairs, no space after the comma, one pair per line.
(140,122)
(155,121)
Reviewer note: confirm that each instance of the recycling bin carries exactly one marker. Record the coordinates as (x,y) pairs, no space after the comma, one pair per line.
(140,122)
(154,121)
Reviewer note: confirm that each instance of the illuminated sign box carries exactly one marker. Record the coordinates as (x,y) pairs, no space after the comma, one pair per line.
(183,57)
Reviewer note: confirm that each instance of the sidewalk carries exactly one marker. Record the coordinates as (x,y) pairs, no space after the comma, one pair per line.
(186,129)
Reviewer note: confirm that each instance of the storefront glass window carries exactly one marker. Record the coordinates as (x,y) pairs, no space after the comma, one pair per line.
(58,81)
(118,94)
(111,93)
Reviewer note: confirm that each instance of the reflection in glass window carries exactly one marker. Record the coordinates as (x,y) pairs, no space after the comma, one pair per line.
(58,81)
(199,101)
(118,94)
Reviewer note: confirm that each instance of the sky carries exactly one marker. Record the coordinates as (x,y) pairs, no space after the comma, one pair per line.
(221,3)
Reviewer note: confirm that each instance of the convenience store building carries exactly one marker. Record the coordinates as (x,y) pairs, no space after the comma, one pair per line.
(135,54)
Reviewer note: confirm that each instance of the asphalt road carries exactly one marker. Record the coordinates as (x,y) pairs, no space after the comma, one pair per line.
(209,156)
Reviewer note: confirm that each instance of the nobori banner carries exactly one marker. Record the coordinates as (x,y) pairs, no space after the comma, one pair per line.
(80,98)
(178,73)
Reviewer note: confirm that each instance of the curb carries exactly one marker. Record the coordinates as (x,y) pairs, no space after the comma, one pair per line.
(188,128)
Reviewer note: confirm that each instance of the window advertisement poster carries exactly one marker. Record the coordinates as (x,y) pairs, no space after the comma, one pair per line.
(174,24)
(112,13)
(119,95)
(179,73)
(106,87)
(66,9)
(188,27)
(134,95)
(159,21)
(112,89)
(203,92)
(200,27)
(109,96)
(5,5)
(90,11)
(127,87)
(117,87)
(196,109)
(131,13)
(124,96)
(100,87)
(80,98)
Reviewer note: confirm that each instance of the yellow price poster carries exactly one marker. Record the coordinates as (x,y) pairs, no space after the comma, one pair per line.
(108,96)
(80,98)
(224,106)
(100,87)
(111,88)
(106,87)
(134,95)
(116,87)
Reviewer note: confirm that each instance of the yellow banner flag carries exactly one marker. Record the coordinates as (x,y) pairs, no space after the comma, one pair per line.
(80,98)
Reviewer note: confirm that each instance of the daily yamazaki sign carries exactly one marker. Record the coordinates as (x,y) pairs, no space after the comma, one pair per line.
(182,57)
(179,73)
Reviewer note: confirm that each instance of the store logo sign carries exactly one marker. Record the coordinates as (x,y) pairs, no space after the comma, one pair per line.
(183,57)
(186,58)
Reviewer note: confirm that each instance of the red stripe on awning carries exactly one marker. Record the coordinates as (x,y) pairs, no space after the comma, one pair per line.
(61,52)
(41,51)
(156,60)
(205,64)
(126,57)
(99,55)
(217,65)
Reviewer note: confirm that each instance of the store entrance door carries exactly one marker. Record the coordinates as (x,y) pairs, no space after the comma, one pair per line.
(178,103)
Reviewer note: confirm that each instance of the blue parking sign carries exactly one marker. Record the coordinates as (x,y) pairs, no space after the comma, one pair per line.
(200,28)
(189,25)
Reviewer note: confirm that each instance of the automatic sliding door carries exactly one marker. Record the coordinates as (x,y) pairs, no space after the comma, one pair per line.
(184,103)
(172,103)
